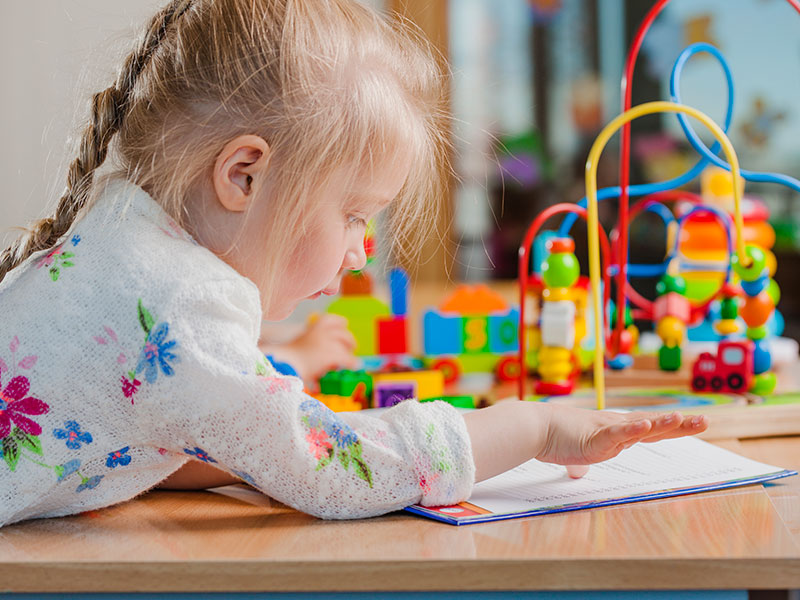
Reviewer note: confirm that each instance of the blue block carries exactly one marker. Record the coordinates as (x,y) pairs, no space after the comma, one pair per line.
(504,332)
(762,359)
(443,335)
(398,286)
(540,251)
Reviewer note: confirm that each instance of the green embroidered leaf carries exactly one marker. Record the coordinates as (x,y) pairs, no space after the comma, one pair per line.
(67,263)
(54,273)
(324,462)
(132,375)
(67,255)
(344,458)
(261,369)
(11,452)
(146,320)
(32,443)
(355,450)
(59,470)
(362,470)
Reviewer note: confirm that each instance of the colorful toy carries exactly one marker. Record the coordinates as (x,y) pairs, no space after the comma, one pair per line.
(353,390)
(731,370)
(718,262)
(473,330)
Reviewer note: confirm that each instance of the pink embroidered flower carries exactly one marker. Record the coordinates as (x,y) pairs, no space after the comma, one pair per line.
(318,443)
(49,258)
(129,386)
(14,404)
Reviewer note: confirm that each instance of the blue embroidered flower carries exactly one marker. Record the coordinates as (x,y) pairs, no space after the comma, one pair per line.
(321,417)
(157,352)
(68,468)
(200,454)
(341,433)
(73,434)
(120,457)
(76,239)
(245,477)
(89,483)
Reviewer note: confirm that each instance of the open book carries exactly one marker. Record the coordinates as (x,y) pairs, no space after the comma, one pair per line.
(642,472)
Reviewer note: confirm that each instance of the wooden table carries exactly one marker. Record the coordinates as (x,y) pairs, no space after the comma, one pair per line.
(234,539)
(237,540)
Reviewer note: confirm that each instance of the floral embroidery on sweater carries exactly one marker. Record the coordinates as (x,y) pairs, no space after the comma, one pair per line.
(199,454)
(15,409)
(433,464)
(57,259)
(329,437)
(155,355)
(73,434)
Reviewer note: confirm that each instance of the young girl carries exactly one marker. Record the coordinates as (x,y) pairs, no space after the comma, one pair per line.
(254,139)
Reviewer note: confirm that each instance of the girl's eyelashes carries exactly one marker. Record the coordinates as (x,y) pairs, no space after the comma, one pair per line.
(356,220)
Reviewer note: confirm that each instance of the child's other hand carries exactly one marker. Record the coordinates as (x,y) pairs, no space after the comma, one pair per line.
(577,437)
(325,345)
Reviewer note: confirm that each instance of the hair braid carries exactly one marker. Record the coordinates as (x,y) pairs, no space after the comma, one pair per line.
(108,111)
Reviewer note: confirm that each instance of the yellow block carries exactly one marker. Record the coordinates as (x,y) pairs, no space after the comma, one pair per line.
(430,384)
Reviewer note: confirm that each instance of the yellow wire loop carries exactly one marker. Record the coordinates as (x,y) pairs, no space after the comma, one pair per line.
(592,221)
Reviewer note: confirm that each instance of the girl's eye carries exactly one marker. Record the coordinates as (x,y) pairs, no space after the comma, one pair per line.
(356,221)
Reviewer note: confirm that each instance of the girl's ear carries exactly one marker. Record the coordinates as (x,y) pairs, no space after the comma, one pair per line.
(241,163)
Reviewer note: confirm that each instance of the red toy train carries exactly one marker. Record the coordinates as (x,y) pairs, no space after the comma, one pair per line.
(731,370)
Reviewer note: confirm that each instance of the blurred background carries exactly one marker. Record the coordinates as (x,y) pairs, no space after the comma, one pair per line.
(533,81)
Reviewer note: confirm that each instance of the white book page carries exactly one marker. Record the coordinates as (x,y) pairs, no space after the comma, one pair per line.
(641,469)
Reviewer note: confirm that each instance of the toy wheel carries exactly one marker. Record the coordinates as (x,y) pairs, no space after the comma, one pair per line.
(716,383)
(699,383)
(449,369)
(508,369)
(735,381)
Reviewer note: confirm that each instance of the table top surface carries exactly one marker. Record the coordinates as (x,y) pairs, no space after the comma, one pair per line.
(236,539)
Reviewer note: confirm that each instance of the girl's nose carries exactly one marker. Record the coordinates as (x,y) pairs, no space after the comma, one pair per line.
(355,258)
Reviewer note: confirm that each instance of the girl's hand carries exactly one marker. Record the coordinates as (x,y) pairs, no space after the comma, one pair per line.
(325,345)
(578,437)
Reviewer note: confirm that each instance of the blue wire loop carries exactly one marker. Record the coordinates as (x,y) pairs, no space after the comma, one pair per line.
(694,139)
(708,155)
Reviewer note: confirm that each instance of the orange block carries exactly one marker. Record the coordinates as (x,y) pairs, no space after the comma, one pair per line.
(474,300)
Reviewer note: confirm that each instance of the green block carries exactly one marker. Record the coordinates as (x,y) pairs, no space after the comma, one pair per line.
(669,358)
(475,333)
(361,313)
(457,401)
(343,383)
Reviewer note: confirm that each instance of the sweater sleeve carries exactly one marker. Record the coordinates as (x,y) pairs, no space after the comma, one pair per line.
(224,404)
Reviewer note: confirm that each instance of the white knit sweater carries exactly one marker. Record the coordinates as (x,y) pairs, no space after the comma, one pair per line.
(129,349)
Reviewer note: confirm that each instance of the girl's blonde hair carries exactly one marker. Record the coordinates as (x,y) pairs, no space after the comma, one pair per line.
(327,83)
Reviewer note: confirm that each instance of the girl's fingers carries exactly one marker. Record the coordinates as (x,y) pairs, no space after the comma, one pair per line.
(688,426)
(617,436)
(577,471)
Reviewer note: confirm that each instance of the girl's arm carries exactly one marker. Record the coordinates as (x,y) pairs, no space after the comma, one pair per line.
(510,433)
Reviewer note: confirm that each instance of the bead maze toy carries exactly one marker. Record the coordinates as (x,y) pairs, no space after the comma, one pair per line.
(718,267)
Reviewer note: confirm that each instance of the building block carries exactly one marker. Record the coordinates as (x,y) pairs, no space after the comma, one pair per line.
(475,334)
(361,313)
(392,337)
(343,383)
(474,300)
(389,393)
(443,334)
(429,383)
(503,332)
(398,286)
